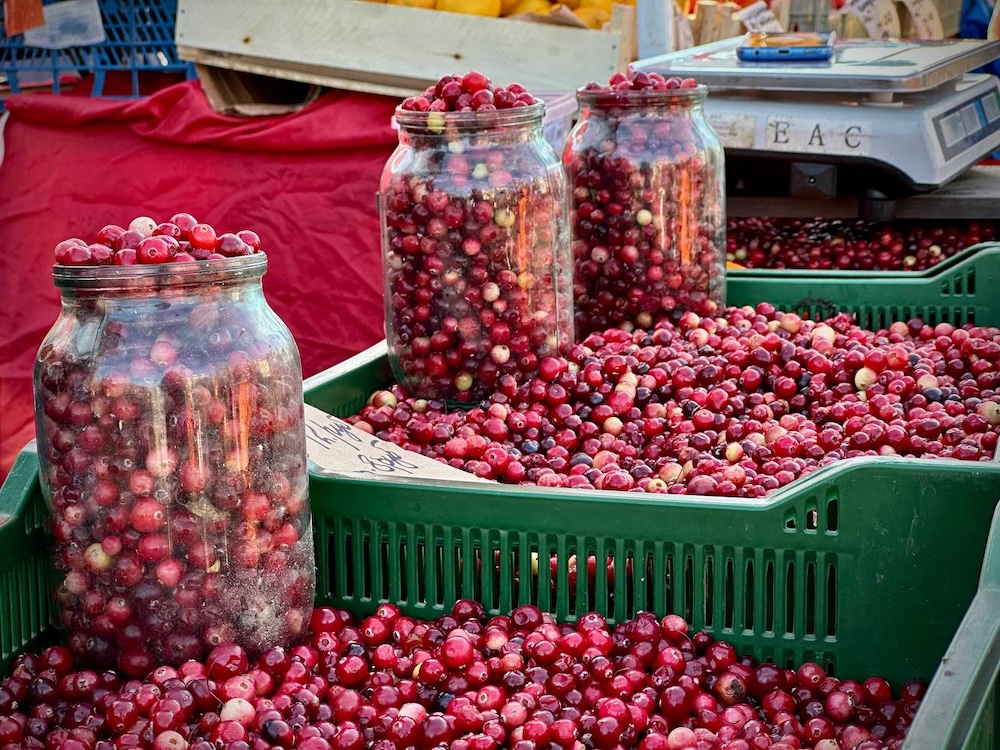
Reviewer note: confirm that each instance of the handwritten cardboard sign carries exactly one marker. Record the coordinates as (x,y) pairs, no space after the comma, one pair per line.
(338,448)
(758,17)
(926,19)
(879,17)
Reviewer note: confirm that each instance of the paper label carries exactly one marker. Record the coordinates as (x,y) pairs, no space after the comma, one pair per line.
(338,448)
(879,17)
(817,136)
(758,17)
(734,130)
(685,34)
(72,23)
(926,19)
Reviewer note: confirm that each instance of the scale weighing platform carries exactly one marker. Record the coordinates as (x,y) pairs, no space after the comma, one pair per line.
(880,121)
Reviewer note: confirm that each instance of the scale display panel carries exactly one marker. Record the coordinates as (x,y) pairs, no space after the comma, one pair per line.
(965,125)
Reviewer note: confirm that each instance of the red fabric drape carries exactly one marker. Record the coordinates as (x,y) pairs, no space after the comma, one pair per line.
(305,182)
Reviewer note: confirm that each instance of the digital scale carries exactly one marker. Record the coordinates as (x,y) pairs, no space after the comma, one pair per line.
(879,122)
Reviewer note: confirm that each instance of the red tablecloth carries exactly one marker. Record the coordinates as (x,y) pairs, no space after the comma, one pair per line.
(305,182)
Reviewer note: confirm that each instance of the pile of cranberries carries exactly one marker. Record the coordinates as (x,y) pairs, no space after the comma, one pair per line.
(462,682)
(634,80)
(180,240)
(849,245)
(475,245)
(737,405)
(648,198)
(172,449)
(472,92)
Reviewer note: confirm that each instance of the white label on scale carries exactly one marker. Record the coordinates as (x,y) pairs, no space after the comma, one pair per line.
(758,17)
(879,17)
(815,136)
(734,130)
(926,19)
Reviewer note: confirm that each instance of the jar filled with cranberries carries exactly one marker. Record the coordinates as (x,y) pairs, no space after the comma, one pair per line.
(647,181)
(169,418)
(475,240)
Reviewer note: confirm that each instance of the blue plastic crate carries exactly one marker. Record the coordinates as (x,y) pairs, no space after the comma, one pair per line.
(140,39)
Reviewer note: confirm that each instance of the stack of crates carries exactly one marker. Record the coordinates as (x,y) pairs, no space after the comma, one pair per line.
(871,565)
(140,40)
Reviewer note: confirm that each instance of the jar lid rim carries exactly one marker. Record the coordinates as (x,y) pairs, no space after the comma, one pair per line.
(613,98)
(509,116)
(71,276)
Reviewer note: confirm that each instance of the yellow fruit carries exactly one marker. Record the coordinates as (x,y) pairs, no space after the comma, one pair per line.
(472,7)
(604,5)
(429,4)
(572,4)
(507,7)
(541,7)
(594,18)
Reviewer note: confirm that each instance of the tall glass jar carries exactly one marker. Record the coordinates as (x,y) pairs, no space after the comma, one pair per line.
(476,253)
(169,417)
(647,179)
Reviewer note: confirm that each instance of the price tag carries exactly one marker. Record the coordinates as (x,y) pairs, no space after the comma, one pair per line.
(685,34)
(734,130)
(879,17)
(758,17)
(340,449)
(926,19)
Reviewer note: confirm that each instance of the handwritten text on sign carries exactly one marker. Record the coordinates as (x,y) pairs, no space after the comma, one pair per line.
(734,130)
(338,448)
(758,17)
(806,135)
(879,17)
(926,19)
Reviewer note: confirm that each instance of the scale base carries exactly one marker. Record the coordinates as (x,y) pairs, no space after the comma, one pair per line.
(763,174)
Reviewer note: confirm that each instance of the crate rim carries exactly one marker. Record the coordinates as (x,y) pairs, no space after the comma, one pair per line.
(949,264)
(816,479)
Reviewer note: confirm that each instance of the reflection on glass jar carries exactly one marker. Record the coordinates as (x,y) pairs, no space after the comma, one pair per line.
(170,428)
(647,180)
(475,250)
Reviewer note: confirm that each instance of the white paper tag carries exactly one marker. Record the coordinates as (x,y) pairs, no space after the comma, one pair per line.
(682,24)
(817,136)
(340,449)
(879,17)
(758,17)
(73,23)
(734,130)
(926,19)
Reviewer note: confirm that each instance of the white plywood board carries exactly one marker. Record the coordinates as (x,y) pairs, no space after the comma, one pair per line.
(373,45)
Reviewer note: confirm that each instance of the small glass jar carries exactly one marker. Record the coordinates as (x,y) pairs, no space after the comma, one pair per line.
(646,175)
(169,418)
(475,251)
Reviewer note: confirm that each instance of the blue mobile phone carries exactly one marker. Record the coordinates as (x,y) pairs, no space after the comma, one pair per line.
(799,46)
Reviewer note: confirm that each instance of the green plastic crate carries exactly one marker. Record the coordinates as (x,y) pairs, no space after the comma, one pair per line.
(868,566)
(959,290)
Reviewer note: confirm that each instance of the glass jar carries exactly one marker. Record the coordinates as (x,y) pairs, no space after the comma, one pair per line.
(169,418)
(475,251)
(646,172)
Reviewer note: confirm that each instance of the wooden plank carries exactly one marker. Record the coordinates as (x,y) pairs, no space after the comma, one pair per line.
(377,45)
(974,195)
